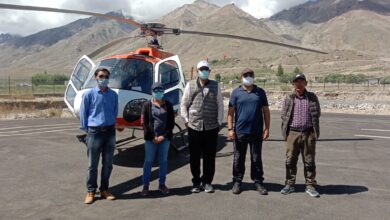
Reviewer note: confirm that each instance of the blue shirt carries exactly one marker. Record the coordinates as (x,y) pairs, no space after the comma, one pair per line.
(248,109)
(98,108)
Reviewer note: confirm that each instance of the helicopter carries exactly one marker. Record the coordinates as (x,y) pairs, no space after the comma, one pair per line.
(133,74)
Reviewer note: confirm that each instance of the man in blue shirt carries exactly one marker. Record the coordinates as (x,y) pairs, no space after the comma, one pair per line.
(248,104)
(98,112)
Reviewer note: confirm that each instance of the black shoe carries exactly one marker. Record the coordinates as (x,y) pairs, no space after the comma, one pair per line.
(261,189)
(287,190)
(196,188)
(236,188)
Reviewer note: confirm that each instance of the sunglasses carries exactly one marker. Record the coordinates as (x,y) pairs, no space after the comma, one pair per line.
(103,76)
(158,90)
(248,74)
(204,68)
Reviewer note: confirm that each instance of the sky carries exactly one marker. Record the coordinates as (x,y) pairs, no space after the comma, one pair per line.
(25,23)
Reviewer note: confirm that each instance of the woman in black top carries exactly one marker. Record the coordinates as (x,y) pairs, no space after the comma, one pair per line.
(158,120)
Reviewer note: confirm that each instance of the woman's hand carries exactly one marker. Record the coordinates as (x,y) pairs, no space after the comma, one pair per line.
(158,139)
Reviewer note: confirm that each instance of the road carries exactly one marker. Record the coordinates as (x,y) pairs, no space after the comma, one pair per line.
(43,172)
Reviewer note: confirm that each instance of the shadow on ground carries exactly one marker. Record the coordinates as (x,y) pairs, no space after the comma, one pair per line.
(332,189)
(133,156)
(332,139)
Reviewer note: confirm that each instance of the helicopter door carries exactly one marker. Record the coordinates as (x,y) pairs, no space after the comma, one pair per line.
(77,79)
(170,74)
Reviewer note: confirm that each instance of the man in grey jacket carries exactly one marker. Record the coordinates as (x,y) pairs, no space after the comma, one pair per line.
(300,129)
(202,110)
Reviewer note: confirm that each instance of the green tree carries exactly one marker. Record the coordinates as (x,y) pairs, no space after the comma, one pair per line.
(297,70)
(280,71)
(218,77)
(48,79)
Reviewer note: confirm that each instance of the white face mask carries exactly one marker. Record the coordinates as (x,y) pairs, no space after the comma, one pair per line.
(247,81)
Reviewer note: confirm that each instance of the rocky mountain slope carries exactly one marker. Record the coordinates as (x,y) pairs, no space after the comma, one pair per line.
(323,10)
(58,49)
(355,33)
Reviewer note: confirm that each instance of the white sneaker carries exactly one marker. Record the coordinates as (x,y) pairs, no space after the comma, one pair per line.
(208,188)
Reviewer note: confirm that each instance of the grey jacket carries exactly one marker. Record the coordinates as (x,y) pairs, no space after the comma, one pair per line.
(202,107)
(287,112)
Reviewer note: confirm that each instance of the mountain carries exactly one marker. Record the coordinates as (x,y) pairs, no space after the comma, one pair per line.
(207,17)
(323,10)
(356,39)
(354,32)
(50,37)
(58,49)
(7,37)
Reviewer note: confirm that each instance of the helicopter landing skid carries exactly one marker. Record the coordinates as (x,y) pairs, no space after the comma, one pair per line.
(178,142)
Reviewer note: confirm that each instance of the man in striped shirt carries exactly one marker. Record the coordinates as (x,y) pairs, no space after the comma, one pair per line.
(300,128)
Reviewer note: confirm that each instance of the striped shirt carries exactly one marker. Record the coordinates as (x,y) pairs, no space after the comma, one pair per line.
(301,115)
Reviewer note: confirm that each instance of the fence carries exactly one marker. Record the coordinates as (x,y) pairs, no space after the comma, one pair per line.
(24,87)
(315,86)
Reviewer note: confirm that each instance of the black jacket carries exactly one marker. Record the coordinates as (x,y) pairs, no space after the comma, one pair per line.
(148,121)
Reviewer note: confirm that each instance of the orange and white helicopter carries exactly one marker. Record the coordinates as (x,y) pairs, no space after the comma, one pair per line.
(133,74)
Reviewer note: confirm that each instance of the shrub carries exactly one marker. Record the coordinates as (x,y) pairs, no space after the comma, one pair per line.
(49,79)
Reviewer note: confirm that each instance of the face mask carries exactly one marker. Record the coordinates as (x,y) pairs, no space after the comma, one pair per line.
(102,82)
(247,81)
(204,74)
(158,95)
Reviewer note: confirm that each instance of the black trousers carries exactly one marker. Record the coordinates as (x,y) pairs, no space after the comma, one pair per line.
(202,144)
(240,143)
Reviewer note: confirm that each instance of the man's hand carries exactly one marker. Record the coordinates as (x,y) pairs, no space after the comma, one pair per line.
(266,134)
(231,135)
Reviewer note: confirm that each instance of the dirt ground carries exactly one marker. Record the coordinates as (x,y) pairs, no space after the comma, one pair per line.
(351,102)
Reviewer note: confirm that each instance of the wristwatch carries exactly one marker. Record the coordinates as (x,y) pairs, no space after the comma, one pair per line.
(230,129)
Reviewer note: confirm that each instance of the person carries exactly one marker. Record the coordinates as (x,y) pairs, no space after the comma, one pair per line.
(202,110)
(98,112)
(248,106)
(158,120)
(300,129)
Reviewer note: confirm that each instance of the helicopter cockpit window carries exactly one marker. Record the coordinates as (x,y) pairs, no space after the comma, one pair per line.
(169,74)
(81,73)
(128,74)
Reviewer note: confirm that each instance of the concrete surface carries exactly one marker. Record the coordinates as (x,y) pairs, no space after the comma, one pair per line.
(43,172)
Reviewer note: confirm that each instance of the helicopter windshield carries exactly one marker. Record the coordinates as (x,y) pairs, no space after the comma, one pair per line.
(128,74)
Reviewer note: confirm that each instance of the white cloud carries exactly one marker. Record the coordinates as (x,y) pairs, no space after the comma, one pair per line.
(24,23)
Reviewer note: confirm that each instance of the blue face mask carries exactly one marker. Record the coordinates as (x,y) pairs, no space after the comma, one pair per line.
(158,95)
(204,74)
(102,82)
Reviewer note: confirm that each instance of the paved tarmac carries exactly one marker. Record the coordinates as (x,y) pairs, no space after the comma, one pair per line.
(43,172)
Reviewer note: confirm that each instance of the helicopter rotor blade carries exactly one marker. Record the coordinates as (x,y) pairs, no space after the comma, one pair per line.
(150,30)
(108,45)
(250,39)
(34,8)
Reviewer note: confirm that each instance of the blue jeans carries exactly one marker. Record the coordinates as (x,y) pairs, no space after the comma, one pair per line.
(104,143)
(150,153)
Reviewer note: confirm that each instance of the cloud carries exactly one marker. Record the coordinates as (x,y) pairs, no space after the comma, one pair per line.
(24,23)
